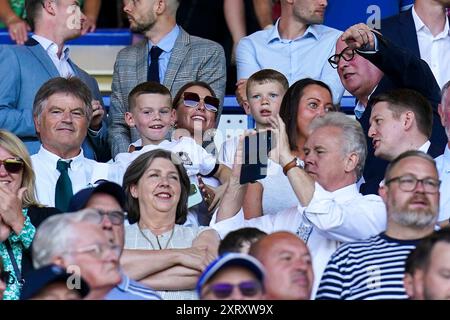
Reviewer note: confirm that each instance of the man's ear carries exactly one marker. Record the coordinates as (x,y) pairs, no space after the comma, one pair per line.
(129,119)
(351,162)
(408,120)
(37,124)
(160,6)
(49,7)
(382,191)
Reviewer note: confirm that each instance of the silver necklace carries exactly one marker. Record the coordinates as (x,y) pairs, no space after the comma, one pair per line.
(157,240)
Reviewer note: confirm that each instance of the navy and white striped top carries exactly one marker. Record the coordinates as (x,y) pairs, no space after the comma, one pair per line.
(372,269)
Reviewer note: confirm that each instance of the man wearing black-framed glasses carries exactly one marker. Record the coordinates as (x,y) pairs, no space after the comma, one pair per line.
(411,194)
(375,67)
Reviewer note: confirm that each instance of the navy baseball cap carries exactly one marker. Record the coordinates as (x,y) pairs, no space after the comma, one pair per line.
(227,260)
(42,277)
(81,198)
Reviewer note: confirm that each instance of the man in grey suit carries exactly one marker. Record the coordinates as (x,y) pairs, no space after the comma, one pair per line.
(178,59)
(26,68)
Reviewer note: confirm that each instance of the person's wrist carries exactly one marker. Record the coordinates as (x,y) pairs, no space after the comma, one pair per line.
(285,159)
(12,19)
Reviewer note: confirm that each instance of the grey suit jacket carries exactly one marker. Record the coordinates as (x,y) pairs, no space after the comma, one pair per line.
(24,70)
(192,59)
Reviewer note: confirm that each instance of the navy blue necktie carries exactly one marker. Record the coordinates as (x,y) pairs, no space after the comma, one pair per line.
(153,68)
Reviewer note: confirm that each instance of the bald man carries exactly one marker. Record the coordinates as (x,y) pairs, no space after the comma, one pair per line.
(286,258)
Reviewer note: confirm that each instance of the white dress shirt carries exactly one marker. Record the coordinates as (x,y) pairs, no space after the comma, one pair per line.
(434,49)
(83,172)
(443,166)
(62,64)
(330,219)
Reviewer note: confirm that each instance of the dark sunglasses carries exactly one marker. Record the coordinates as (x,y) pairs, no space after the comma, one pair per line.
(224,290)
(347,54)
(12,165)
(6,277)
(191,99)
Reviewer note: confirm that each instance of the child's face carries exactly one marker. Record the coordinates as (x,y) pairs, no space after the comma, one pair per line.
(152,116)
(264,101)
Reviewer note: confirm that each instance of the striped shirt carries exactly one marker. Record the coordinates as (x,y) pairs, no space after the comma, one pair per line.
(372,269)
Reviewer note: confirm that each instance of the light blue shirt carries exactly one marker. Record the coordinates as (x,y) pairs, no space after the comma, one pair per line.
(129,289)
(303,57)
(166,44)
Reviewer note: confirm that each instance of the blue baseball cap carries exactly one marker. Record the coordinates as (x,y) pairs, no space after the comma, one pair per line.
(80,199)
(227,260)
(42,277)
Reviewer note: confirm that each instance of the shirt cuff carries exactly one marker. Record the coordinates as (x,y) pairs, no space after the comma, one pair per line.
(362,50)
(26,236)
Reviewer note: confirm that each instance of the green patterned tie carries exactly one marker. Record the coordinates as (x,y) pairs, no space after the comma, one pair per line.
(63,190)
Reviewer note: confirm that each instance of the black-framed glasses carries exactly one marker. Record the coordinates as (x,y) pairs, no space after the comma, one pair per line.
(192,99)
(347,54)
(224,290)
(12,165)
(6,277)
(408,183)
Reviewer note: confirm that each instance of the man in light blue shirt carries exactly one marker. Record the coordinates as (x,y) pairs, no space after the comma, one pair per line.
(297,46)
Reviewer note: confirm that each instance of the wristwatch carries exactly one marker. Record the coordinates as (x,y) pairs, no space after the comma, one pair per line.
(296,162)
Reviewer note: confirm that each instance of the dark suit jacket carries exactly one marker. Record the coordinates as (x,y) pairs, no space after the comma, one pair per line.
(192,58)
(401,30)
(402,69)
(37,216)
(24,70)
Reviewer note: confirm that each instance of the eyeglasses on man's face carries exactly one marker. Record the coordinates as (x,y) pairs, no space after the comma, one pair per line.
(347,54)
(12,165)
(225,290)
(116,217)
(98,250)
(192,100)
(409,183)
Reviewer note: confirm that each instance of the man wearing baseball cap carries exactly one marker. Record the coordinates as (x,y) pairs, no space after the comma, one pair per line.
(232,276)
(54,283)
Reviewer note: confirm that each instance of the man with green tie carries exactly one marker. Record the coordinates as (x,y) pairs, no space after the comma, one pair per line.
(61,113)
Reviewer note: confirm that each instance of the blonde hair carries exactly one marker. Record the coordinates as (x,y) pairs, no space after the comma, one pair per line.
(15,146)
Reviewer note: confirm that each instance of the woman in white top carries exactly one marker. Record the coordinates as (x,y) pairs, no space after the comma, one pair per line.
(157,186)
(302,102)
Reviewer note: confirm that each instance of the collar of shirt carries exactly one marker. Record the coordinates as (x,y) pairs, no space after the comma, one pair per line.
(124,283)
(168,41)
(51,47)
(421,27)
(425,146)
(51,159)
(275,35)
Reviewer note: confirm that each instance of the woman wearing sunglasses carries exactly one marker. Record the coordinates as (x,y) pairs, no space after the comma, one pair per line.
(196,105)
(20,213)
